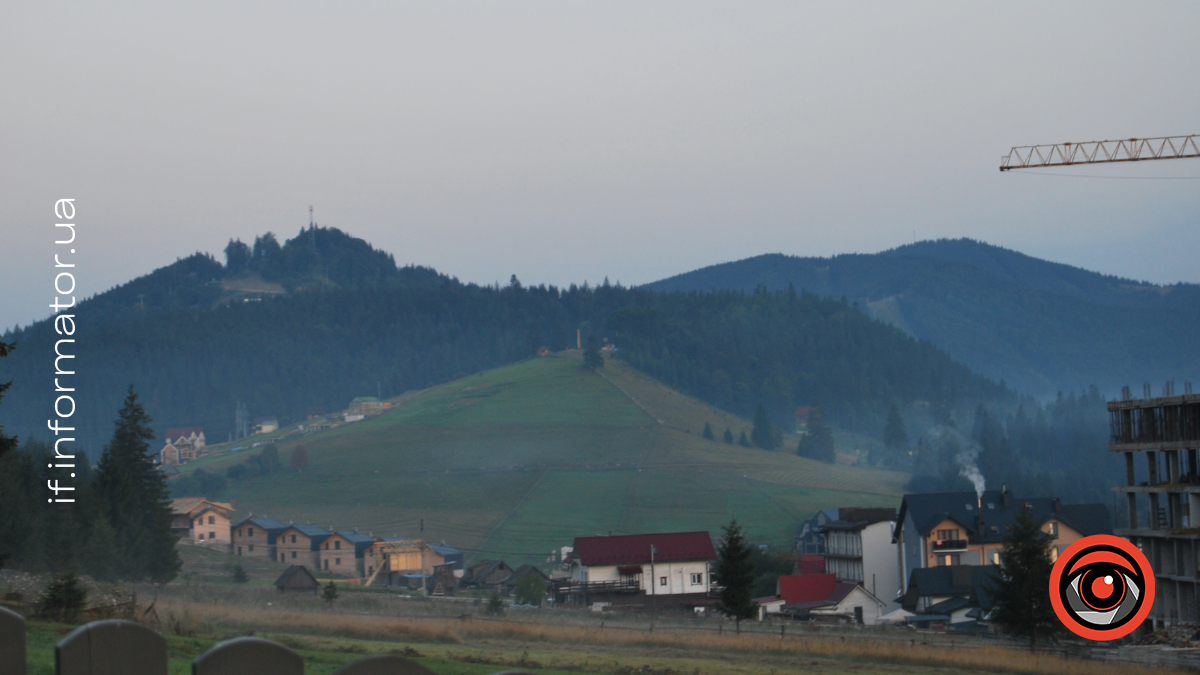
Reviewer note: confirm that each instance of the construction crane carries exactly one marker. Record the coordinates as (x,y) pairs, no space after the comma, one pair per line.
(1100,152)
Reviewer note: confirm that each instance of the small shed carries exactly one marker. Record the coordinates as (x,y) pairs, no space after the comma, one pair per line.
(297,579)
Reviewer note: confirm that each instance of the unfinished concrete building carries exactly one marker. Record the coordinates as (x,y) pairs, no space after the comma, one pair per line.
(1164,433)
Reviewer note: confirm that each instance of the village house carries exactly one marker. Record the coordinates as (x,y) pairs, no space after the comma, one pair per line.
(193,436)
(510,584)
(442,583)
(392,560)
(955,596)
(199,521)
(859,549)
(959,528)
(823,597)
(265,425)
(665,569)
(343,553)
(255,536)
(301,545)
(366,405)
(487,574)
(297,579)
(450,556)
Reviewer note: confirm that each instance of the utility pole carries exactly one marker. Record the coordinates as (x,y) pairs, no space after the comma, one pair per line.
(653,590)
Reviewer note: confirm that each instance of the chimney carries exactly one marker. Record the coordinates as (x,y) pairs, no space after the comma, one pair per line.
(1004,495)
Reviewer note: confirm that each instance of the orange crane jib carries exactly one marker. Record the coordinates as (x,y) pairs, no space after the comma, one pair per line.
(1100,152)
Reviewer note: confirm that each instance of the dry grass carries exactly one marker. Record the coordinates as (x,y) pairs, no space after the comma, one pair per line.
(563,641)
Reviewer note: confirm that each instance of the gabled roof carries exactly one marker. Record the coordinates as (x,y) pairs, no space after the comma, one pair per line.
(269,524)
(292,571)
(635,548)
(524,571)
(315,533)
(480,570)
(857,518)
(806,587)
(984,519)
(360,541)
(188,504)
(965,581)
(839,593)
(445,550)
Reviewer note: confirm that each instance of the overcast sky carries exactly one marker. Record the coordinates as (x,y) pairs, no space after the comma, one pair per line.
(571,141)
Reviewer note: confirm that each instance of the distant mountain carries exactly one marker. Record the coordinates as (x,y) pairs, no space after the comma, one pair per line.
(1040,326)
(310,324)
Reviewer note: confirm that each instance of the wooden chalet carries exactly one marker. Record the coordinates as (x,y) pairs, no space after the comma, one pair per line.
(297,579)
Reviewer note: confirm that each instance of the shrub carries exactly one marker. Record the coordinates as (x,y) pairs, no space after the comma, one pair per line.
(63,598)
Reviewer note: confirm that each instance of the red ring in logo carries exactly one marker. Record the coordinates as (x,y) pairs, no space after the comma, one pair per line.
(1102,587)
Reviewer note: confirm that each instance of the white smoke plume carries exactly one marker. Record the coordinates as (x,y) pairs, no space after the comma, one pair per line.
(966,458)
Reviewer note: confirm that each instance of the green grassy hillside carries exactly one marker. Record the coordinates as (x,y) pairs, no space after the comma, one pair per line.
(517,461)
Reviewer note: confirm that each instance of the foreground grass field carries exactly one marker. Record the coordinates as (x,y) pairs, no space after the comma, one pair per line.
(517,461)
(453,638)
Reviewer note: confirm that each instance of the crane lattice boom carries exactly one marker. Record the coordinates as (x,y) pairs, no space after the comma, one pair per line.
(1100,152)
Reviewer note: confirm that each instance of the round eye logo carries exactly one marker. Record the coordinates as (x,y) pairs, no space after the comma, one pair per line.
(1102,587)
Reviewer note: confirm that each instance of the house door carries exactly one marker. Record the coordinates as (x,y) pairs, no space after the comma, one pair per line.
(858,615)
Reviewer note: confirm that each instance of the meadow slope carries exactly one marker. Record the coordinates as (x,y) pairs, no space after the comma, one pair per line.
(517,461)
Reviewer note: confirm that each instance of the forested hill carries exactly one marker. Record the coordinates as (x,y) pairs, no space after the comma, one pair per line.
(1042,327)
(285,338)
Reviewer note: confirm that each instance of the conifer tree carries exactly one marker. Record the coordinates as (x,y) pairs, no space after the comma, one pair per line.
(1020,597)
(743,441)
(7,443)
(895,439)
(734,572)
(134,497)
(330,591)
(728,437)
(818,443)
(763,434)
(592,358)
(708,432)
(100,554)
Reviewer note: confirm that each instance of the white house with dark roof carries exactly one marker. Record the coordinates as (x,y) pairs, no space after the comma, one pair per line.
(859,549)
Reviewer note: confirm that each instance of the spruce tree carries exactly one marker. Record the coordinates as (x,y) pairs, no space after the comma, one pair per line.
(7,443)
(1020,597)
(592,359)
(818,443)
(734,572)
(728,437)
(763,435)
(895,439)
(134,497)
(100,554)
(708,432)
(743,441)
(330,591)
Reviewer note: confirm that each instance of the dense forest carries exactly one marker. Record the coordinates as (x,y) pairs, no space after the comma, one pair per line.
(350,323)
(1040,326)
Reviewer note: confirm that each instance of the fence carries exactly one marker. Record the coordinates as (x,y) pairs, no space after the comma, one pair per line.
(128,648)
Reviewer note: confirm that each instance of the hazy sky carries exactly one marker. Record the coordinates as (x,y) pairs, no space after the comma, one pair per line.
(570,141)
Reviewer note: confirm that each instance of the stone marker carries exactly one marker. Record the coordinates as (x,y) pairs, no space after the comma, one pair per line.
(248,656)
(111,647)
(12,642)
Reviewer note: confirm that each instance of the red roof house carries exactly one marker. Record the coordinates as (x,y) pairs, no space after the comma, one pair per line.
(635,548)
(806,587)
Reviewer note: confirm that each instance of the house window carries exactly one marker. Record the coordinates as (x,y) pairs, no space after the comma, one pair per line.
(1053,554)
(337,561)
(212,535)
(662,581)
(1052,530)
(293,538)
(251,548)
(951,559)
(251,533)
(995,557)
(293,554)
(697,579)
(212,520)
(945,535)
(200,536)
(337,545)
(239,550)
